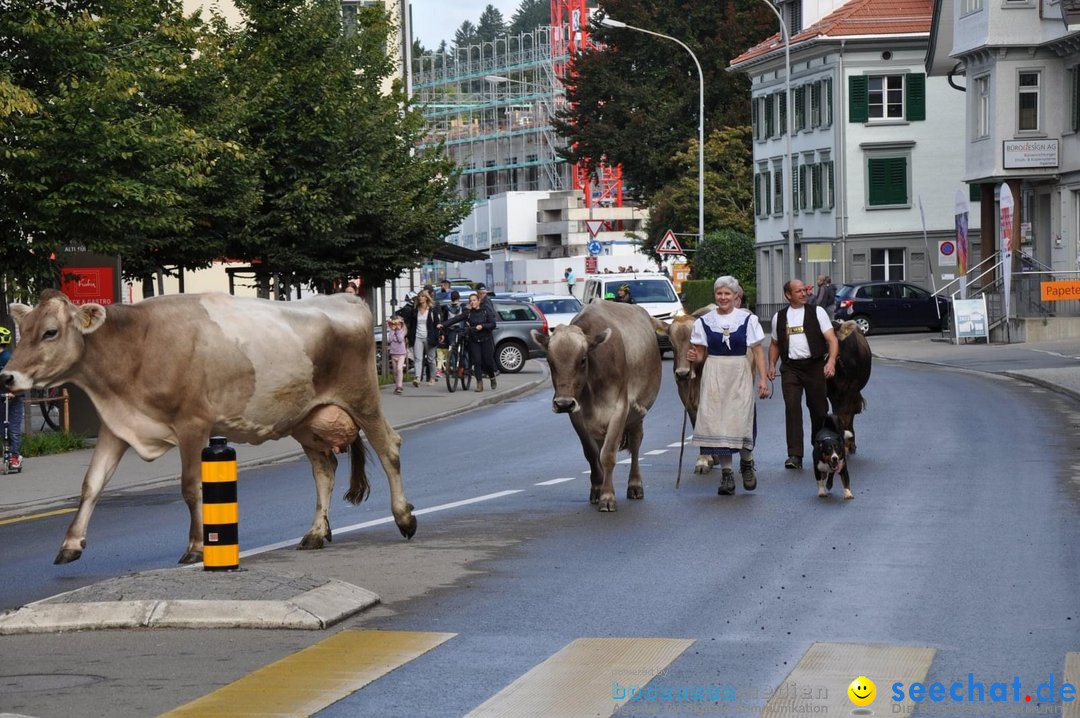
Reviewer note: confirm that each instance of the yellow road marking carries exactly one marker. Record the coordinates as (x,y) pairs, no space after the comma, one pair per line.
(1071,709)
(580,679)
(818,683)
(315,677)
(31,517)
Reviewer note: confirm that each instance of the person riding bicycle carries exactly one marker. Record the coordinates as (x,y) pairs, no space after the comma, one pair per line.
(15,405)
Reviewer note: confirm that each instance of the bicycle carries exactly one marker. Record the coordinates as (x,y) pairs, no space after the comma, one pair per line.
(457,365)
(51,403)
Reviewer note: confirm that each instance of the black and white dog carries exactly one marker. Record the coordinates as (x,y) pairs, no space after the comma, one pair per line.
(830,458)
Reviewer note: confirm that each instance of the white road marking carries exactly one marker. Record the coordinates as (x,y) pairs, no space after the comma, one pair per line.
(384,520)
(552,482)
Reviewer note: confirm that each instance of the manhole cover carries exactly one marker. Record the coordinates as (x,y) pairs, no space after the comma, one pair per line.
(45,682)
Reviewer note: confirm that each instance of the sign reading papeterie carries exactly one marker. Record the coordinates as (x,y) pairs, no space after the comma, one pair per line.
(1025,154)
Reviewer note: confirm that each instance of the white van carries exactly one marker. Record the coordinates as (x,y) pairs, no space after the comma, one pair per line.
(653,292)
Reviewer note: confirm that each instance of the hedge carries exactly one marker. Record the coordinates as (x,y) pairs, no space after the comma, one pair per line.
(697,293)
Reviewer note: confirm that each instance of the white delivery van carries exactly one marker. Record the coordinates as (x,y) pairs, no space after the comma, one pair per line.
(653,292)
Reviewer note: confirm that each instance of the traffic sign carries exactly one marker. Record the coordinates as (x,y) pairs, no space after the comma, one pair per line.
(669,245)
(594,226)
(595,248)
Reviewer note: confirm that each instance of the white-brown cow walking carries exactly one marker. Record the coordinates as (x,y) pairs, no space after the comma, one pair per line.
(174,370)
(605,368)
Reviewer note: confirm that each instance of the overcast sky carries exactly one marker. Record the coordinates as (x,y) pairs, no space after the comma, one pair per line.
(437,20)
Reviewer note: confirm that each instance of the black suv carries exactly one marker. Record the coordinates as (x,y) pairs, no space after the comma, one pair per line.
(874,305)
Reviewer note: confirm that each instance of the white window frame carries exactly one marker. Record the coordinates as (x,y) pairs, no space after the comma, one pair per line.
(887,254)
(1027,90)
(883,106)
(826,102)
(981,113)
(969,7)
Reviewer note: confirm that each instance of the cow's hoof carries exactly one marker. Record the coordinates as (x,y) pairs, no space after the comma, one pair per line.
(407,526)
(848,496)
(607,504)
(594,495)
(67,555)
(310,542)
(703,465)
(191,557)
(635,492)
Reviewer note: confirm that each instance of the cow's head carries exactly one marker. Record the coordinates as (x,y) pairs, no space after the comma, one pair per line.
(51,340)
(568,349)
(678,333)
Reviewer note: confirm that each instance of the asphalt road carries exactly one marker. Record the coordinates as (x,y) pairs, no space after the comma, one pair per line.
(963,536)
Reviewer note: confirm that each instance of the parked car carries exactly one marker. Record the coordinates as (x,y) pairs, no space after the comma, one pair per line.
(876,305)
(559,309)
(654,292)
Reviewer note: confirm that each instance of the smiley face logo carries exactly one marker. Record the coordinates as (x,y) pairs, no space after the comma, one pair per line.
(862,691)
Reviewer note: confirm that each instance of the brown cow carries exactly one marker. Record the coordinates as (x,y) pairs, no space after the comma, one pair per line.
(172,371)
(605,368)
(687,374)
(852,374)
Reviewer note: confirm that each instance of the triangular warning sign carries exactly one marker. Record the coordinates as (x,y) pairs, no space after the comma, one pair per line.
(669,245)
(594,226)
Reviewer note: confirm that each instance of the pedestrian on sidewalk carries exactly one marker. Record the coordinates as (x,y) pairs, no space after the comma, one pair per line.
(488,346)
(727,416)
(825,295)
(804,340)
(396,343)
(571,279)
(423,336)
(15,405)
(480,323)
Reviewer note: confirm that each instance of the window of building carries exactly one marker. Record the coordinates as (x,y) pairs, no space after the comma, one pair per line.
(805,188)
(969,6)
(762,192)
(799,100)
(795,187)
(826,102)
(828,185)
(887,181)
(887,98)
(778,188)
(982,106)
(794,17)
(781,104)
(815,104)
(1028,101)
(770,116)
(887,265)
(1074,99)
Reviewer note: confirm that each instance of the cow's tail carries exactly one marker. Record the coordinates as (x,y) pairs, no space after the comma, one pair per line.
(358,483)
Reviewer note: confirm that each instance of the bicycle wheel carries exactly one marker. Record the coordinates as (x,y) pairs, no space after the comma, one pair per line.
(450,370)
(463,368)
(51,407)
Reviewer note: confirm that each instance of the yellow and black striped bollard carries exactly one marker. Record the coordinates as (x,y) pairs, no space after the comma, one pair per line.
(221,537)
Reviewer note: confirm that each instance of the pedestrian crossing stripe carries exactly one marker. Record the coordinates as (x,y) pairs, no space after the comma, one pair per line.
(578,680)
(827,669)
(317,676)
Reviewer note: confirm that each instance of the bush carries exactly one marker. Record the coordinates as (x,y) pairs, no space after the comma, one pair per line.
(49,443)
(697,293)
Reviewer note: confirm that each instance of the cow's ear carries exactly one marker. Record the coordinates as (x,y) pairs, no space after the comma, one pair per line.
(89,318)
(661,328)
(540,338)
(600,338)
(19,311)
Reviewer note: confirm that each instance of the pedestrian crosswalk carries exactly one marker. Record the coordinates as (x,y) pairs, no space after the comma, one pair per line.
(601,676)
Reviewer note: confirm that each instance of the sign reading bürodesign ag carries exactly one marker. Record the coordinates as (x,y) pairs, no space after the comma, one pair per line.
(1024,154)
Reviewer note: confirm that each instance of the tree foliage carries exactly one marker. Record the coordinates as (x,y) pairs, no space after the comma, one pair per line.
(491,25)
(466,35)
(726,251)
(530,14)
(729,190)
(633,98)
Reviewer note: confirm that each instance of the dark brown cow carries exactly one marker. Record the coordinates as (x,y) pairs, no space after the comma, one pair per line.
(852,374)
(172,371)
(605,367)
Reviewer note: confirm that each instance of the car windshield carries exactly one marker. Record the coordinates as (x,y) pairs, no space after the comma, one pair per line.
(644,290)
(559,306)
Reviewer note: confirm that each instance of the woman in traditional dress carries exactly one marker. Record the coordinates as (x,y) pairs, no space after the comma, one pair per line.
(727,420)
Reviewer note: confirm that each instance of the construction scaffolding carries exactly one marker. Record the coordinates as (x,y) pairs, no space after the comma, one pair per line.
(492,104)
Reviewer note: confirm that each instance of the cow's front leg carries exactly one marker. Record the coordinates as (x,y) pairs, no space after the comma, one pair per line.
(107,454)
(592,455)
(635,489)
(323,468)
(191,446)
(387,445)
(609,454)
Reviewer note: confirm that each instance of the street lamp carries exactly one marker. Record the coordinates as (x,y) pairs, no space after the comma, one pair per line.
(610,22)
(790,204)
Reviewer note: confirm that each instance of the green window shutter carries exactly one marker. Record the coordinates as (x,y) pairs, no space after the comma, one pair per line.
(887,181)
(915,97)
(826,102)
(755,120)
(767,186)
(799,99)
(757,195)
(815,105)
(1076,98)
(770,117)
(858,99)
(794,184)
(830,197)
(816,184)
(782,99)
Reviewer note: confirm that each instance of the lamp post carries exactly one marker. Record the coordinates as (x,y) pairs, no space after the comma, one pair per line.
(610,22)
(789,206)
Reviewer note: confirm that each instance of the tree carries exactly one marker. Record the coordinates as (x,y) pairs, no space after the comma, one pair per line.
(530,15)
(466,35)
(342,191)
(729,190)
(726,251)
(491,24)
(633,98)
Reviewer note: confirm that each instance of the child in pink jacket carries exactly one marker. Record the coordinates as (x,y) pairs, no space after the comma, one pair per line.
(396,341)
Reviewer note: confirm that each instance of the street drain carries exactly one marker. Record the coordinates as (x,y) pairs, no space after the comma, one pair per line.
(28,682)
